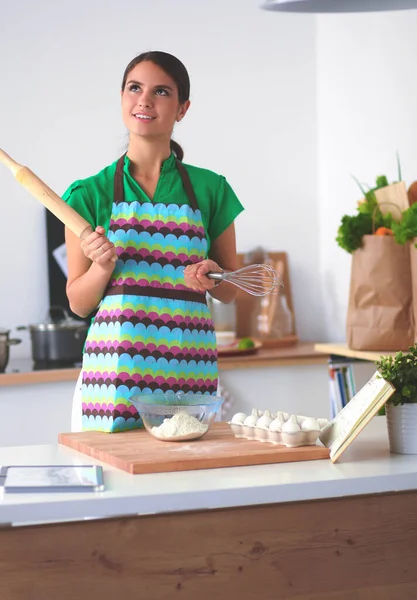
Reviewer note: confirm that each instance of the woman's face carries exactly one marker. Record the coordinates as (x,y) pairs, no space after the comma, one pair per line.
(150,105)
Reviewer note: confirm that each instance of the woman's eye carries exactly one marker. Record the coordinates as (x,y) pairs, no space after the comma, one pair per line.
(134,88)
(162,92)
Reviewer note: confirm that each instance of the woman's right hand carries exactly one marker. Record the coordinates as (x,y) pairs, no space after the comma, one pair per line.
(98,248)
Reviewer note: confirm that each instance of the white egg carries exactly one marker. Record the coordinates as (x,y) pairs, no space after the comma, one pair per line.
(252,419)
(310,424)
(265,420)
(277,424)
(239,418)
(280,415)
(291,426)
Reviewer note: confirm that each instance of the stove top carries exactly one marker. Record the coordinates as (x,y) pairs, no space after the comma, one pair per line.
(45,365)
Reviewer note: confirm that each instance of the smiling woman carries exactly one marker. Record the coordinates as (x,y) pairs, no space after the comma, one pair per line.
(159,227)
(159,93)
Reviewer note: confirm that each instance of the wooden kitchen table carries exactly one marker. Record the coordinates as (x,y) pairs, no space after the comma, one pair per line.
(299,531)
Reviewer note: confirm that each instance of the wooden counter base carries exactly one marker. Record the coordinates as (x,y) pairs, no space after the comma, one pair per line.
(356,548)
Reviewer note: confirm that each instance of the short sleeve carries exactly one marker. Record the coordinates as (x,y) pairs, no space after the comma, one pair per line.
(76,196)
(226,207)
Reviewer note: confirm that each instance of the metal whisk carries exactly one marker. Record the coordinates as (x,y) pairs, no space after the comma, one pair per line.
(257,280)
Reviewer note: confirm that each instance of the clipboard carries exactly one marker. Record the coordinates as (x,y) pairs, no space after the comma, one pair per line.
(52,478)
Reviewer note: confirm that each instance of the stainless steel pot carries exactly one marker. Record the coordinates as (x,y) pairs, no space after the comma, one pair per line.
(58,340)
(5,343)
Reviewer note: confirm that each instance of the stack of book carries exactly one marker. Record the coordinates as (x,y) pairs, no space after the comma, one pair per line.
(342,385)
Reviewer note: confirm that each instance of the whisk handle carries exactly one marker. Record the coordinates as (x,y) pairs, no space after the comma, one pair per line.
(215,276)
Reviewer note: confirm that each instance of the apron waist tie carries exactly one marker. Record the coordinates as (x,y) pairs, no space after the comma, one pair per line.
(154,292)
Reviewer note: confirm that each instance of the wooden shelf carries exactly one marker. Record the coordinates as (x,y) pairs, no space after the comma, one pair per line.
(343,350)
(302,353)
(30,377)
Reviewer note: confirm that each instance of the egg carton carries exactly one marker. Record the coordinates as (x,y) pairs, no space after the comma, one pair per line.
(281,429)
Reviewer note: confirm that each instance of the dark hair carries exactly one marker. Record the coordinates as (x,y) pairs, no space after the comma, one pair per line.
(172,67)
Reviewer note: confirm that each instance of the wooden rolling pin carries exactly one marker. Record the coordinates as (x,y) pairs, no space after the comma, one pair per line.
(44,194)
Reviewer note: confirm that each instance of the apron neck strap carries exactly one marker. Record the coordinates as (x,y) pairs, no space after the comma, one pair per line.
(119,191)
(186,182)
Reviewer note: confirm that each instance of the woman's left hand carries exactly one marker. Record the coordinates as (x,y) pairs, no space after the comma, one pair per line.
(195,275)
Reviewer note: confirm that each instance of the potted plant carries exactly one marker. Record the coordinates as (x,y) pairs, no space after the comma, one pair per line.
(401,408)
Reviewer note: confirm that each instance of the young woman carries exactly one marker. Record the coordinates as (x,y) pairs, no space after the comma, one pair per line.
(159,227)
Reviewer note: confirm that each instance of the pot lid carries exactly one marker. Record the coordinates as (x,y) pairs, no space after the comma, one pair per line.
(62,322)
(59,326)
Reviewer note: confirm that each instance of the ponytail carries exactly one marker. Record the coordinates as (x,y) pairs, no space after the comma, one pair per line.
(176,149)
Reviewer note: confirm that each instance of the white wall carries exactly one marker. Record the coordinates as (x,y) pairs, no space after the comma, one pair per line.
(253,119)
(286,106)
(367,110)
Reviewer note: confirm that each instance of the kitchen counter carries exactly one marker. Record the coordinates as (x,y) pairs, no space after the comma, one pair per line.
(21,372)
(366,468)
(296,531)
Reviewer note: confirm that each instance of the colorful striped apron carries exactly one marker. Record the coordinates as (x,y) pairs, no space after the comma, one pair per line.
(151,333)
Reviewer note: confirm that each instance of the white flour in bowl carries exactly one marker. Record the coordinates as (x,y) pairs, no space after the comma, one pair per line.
(181,426)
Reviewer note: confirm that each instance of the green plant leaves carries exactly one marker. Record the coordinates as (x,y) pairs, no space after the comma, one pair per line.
(401,371)
(381,181)
(406,229)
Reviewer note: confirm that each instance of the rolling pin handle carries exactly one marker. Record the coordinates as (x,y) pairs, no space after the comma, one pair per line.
(85,232)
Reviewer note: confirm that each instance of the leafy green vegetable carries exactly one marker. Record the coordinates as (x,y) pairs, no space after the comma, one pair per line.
(351,231)
(381,182)
(405,230)
(370,205)
(353,228)
(401,371)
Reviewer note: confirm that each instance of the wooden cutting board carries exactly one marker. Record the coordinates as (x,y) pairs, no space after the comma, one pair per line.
(139,452)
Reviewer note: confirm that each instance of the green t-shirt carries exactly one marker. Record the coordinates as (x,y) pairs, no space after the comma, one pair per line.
(92,198)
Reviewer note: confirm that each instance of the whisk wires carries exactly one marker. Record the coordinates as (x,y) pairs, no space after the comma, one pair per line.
(257,280)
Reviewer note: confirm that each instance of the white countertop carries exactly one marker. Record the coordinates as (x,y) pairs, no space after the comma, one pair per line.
(367,467)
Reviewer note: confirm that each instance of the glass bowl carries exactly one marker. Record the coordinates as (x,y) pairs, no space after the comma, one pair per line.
(177,416)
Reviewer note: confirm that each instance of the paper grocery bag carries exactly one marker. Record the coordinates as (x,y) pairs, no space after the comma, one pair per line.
(380,310)
(393,195)
(413,260)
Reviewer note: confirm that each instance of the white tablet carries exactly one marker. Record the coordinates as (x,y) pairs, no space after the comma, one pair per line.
(53,478)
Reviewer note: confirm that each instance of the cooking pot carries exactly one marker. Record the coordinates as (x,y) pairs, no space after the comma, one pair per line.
(58,340)
(5,342)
